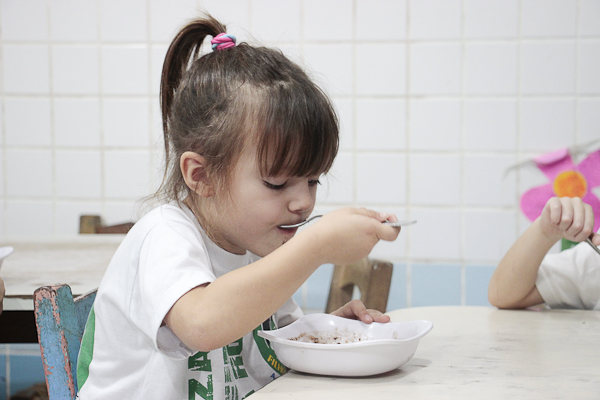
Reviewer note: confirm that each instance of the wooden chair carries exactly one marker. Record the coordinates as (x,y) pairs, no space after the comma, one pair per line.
(372,277)
(60,322)
(93,224)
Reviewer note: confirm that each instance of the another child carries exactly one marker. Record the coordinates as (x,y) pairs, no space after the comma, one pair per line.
(527,276)
(247,136)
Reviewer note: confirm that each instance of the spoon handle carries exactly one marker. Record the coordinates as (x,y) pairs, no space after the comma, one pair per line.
(400,223)
(593,245)
(389,223)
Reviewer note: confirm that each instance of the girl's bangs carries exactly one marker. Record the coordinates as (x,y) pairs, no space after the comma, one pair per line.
(296,138)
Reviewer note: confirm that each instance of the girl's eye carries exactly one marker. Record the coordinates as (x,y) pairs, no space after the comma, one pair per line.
(273,186)
(314,182)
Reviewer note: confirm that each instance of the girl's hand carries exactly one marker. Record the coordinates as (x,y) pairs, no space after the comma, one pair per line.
(357,310)
(349,234)
(567,217)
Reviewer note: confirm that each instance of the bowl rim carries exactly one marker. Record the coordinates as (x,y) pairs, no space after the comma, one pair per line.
(428,325)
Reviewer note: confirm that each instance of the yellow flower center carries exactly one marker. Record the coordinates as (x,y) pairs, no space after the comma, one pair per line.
(570,184)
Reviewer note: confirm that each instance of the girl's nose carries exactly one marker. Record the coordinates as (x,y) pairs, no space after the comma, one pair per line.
(303,198)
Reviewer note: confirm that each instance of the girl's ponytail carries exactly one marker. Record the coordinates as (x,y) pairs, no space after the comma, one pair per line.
(183,49)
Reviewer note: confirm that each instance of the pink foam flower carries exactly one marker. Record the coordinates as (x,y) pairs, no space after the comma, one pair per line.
(566,180)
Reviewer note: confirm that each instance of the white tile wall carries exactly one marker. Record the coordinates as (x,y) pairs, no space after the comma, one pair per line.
(23,20)
(389,16)
(25,69)
(126,122)
(77,122)
(125,70)
(491,19)
(75,69)
(548,68)
(490,124)
(270,26)
(547,124)
(435,69)
(21,128)
(491,69)
(74,21)
(559,18)
(436,98)
(589,65)
(435,124)
(435,19)
(78,174)
(381,124)
(589,12)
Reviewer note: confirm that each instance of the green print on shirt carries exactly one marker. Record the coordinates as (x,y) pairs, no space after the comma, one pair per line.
(234,368)
(265,349)
(200,362)
(232,357)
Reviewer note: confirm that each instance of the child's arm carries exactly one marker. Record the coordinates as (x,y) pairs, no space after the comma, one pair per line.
(216,314)
(513,282)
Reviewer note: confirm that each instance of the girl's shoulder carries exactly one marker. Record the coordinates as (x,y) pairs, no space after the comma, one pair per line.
(165,221)
(169,213)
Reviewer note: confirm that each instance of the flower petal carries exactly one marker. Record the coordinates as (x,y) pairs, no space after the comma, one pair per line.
(593,201)
(590,168)
(554,163)
(534,200)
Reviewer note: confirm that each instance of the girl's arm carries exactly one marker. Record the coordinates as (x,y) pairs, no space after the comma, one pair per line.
(513,282)
(216,314)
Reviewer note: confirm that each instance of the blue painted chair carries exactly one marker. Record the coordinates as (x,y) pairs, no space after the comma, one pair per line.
(60,322)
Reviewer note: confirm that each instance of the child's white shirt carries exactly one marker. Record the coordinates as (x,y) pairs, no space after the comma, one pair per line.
(571,278)
(135,356)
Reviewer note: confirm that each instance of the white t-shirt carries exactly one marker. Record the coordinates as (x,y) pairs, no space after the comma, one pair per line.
(131,356)
(571,278)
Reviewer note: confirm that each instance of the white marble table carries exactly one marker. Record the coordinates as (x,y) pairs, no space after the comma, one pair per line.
(79,261)
(476,353)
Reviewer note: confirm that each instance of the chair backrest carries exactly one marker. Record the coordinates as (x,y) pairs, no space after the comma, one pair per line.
(60,322)
(93,224)
(372,277)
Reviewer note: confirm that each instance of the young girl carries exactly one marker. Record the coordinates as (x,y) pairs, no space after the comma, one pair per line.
(527,276)
(247,136)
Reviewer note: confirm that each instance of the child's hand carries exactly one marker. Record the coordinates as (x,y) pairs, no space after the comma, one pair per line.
(357,310)
(349,234)
(569,218)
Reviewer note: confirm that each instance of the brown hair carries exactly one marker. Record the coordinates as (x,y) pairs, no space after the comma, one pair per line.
(218,103)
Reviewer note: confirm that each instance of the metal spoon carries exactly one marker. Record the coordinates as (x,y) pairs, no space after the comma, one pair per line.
(589,240)
(397,223)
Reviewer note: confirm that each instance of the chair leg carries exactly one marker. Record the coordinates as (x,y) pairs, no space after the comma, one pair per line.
(59,339)
(380,279)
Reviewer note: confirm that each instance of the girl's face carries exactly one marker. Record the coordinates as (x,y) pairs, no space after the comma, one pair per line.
(248,216)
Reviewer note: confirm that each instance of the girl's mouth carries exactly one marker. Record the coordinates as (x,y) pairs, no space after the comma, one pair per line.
(299,224)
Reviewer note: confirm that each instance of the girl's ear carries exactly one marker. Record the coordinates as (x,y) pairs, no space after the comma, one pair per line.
(193,169)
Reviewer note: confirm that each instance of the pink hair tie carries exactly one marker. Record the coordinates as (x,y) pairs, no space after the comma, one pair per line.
(223,41)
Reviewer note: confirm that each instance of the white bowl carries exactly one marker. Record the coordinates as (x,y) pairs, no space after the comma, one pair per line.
(382,347)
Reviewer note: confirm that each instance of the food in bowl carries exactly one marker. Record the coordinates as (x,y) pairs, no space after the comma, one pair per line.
(331,337)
